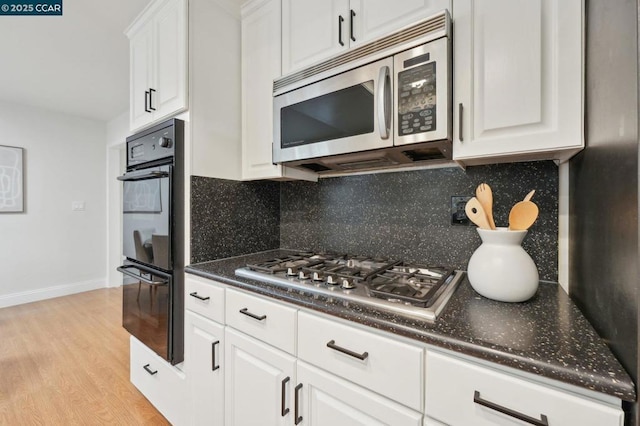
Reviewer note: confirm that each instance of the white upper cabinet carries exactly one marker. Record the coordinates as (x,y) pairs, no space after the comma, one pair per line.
(261,64)
(158,63)
(518,80)
(315,30)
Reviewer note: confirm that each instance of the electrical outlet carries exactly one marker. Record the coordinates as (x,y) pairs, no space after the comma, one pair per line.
(458,215)
(77,206)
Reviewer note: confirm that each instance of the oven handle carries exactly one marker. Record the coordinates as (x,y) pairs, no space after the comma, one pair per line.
(151,175)
(125,270)
(383,102)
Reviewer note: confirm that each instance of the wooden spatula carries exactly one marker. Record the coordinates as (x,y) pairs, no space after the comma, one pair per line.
(523,214)
(485,196)
(476,213)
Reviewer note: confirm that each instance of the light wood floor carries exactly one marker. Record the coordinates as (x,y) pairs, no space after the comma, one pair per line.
(65,361)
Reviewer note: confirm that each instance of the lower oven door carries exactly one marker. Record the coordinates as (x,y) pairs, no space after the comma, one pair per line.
(147,308)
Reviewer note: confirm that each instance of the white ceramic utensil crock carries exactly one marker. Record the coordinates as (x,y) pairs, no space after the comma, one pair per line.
(500,269)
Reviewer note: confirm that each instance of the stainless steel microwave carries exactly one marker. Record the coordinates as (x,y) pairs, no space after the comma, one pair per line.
(384,104)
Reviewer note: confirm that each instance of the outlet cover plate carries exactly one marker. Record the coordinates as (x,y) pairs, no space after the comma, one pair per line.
(458,215)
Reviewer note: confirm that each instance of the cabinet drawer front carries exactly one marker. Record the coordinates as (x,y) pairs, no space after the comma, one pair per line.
(268,321)
(384,365)
(163,385)
(458,392)
(205,297)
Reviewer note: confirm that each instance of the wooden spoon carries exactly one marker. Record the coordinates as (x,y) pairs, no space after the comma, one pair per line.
(485,196)
(529,195)
(476,213)
(522,215)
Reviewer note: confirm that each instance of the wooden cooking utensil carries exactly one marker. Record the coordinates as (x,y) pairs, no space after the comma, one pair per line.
(522,215)
(485,196)
(476,213)
(529,195)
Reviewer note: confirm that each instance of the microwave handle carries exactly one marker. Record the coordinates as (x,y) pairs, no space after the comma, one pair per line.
(383,102)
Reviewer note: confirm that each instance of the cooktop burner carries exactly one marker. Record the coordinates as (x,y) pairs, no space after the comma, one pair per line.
(391,285)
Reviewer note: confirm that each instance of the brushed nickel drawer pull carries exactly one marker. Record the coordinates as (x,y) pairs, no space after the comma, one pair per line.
(148,370)
(296,406)
(509,412)
(246,312)
(283,409)
(361,357)
(197,296)
(214,367)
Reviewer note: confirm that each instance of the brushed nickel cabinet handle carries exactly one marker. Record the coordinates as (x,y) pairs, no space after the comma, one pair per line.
(509,412)
(246,312)
(214,367)
(148,370)
(332,344)
(283,409)
(460,124)
(296,407)
(197,296)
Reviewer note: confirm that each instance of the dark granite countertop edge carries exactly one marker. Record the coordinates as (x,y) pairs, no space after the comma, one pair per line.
(622,388)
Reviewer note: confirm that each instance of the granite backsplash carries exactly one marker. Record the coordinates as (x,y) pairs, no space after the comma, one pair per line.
(400,215)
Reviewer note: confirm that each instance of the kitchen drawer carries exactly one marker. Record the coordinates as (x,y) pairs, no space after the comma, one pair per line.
(389,367)
(162,384)
(204,297)
(268,321)
(456,390)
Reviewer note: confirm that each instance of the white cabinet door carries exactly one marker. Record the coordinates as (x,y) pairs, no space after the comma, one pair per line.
(311,31)
(461,393)
(375,18)
(169,92)
(327,400)
(161,383)
(259,381)
(141,66)
(518,80)
(158,63)
(261,64)
(204,351)
(315,30)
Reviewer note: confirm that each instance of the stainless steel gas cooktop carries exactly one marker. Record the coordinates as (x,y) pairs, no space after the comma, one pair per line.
(389,285)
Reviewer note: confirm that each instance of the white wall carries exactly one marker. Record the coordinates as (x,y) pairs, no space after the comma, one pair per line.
(50,250)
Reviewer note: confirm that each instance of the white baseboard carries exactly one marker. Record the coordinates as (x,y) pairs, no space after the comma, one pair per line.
(50,292)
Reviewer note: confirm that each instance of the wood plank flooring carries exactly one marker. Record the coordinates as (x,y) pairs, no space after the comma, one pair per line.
(65,361)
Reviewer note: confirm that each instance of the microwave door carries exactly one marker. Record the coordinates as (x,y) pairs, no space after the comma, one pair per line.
(423,93)
(350,112)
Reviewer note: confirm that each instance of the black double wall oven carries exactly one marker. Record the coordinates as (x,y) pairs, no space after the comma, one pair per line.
(153,239)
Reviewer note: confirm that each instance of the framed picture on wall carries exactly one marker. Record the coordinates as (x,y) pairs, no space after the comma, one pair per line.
(11,179)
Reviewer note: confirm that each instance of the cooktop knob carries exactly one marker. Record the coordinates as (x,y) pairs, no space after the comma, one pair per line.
(346,284)
(331,280)
(302,276)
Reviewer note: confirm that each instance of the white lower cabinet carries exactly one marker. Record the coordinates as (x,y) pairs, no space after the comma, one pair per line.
(259,382)
(363,357)
(275,364)
(162,384)
(323,399)
(459,392)
(204,350)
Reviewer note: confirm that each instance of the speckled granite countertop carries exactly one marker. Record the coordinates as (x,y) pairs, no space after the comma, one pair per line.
(547,335)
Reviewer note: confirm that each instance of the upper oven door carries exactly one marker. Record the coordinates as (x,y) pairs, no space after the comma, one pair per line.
(349,112)
(146,223)
(422,97)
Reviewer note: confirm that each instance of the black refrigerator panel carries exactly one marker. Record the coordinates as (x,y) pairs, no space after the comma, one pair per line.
(604,270)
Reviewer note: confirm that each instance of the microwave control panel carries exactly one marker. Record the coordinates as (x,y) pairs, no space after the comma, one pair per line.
(417,98)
